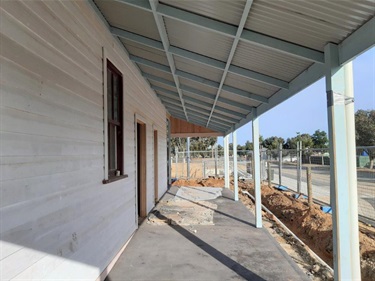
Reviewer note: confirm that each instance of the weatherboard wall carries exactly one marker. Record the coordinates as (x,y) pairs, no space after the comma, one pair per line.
(58,221)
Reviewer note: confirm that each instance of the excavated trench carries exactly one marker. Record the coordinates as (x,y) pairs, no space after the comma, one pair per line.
(311,225)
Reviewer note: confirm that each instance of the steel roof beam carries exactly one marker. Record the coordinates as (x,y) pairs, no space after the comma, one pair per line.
(158,79)
(195,78)
(230,31)
(168,95)
(361,40)
(202,59)
(205,95)
(210,96)
(205,116)
(207,112)
(216,85)
(170,101)
(208,105)
(253,75)
(202,122)
(199,102)
(196,111)
(245,14)
(174,110)
(164,38)
(151,64)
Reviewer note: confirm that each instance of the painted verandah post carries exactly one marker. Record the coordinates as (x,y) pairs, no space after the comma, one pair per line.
(342,187)
(256,172)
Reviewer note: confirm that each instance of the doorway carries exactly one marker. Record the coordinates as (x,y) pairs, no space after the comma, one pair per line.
(156,167)
(141,170)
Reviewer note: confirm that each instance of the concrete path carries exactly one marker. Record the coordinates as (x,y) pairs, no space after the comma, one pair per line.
(231,249)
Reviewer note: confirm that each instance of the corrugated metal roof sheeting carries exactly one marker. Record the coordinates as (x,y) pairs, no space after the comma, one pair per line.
(145,52)
(313,23)
(231,107)
(161,85)
(197,97)
(197,86)
(129,18)
(175,97)
(226,11)
(198,105)
(250,85)
(236,98)
(268,62)
(155,72)
(199,69)
(198,40)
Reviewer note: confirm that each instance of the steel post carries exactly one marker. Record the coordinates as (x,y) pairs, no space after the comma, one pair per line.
(341,142)
(256,172)
(235,170)
(188,157)
(226,161)
(280,162)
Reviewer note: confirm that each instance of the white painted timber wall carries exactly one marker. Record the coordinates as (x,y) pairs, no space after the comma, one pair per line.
(58,221)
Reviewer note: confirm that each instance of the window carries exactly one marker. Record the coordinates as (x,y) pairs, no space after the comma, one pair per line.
(115,122)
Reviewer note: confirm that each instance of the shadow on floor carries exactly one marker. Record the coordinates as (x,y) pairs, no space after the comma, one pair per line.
(219,256)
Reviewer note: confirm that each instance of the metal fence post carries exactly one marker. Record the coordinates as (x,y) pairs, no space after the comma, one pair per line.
(235,171)
(269,173)
(216,156)
(299,161)
(309,186)
(176,168)
(280,162)
(204,169)
(188,157)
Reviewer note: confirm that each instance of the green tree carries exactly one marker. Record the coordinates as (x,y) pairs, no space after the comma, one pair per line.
(272,143)
(365,131)
(307,141)
(248,145)
(179,143)
(320,139)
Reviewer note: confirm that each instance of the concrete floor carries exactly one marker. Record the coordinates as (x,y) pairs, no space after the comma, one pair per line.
(232,249)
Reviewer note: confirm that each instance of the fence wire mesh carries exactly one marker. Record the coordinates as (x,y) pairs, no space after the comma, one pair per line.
(287,167)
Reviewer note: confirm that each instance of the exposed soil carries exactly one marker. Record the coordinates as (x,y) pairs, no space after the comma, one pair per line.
(311,225)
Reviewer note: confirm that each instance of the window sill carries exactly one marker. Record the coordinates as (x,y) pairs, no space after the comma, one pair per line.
(115,179)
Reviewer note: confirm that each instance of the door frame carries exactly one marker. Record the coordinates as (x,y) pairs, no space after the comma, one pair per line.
(156,163)
(138,119)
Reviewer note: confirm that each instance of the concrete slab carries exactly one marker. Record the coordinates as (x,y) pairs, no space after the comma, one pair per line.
(231,249)
(197,193)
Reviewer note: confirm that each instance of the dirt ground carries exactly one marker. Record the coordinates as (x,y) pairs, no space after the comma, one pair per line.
(311,225)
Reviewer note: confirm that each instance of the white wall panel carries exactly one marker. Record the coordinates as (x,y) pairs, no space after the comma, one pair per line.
(58,219)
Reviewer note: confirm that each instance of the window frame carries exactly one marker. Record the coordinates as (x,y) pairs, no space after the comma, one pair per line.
(111,175)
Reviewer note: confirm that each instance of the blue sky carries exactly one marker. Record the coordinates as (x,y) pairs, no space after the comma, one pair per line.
(306,111)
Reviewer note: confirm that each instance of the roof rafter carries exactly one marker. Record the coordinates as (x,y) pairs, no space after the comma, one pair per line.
(198,102)
(229,30)
(250,74)
(200,93)
(200,121)
(220,99)
(164,37)
(207,112)
(199,111)
(193,77)
(196,112)
(245,14)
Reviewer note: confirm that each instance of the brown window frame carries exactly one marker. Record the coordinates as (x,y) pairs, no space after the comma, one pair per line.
(115,124)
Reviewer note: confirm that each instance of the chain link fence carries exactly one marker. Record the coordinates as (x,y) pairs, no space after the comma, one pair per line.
(287,167)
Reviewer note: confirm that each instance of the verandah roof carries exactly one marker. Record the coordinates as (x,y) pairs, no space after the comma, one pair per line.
(212,62)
